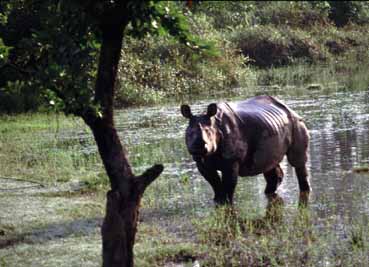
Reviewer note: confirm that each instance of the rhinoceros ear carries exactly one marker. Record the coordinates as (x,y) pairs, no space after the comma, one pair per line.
(212,110)
(186,111)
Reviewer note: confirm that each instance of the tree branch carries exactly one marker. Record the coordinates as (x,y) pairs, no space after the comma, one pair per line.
(145,179)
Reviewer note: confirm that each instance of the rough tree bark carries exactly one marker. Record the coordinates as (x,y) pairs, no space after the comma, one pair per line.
(120,222)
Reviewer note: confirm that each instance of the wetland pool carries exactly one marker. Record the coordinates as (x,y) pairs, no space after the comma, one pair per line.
(176,207)
(339,130)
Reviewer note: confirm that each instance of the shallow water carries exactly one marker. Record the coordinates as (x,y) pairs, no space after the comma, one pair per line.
(339,129)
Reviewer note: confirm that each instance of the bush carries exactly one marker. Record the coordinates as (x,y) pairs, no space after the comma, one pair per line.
(343,12)
(17,97)
(293,14)
(269,46)
(157,68)
(226,14)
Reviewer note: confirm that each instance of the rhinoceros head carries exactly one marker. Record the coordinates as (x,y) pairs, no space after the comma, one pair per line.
(202,135)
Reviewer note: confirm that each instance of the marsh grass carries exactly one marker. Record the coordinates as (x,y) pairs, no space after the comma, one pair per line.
(156,69)
(46,148)
(178,223)
(283,237)
(156,247)
(306,78)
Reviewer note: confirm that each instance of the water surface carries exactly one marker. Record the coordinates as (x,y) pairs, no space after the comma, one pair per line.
(339,129)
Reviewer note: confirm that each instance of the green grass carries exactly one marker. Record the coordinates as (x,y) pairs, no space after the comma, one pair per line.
(345,75)
(279,241)
(47,148)
(156,247)
(283,236)
(157,69)
(61,228)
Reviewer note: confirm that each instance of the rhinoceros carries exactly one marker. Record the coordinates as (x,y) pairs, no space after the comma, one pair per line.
(247,138)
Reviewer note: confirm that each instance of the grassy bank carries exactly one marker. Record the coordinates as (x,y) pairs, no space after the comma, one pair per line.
(45,148)
(252,38)
(59,224)
(53,184)
(249,37)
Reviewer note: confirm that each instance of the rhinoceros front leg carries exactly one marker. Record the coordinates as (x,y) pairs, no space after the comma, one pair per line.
(229,179)
(273,179)
(211,175)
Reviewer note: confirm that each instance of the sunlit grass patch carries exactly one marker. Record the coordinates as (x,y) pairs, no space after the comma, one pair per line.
(327,78)
(179,224)
(48,148)
(156,247)
(60,252)
(291,240)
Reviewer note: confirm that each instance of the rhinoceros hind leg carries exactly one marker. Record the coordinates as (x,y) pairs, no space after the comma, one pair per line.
(297,155)
(301,173)
(273,179)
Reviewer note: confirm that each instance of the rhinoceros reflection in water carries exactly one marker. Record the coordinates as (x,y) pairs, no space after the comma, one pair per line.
(245,139)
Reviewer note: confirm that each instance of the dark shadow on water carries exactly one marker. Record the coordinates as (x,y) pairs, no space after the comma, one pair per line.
(81,227)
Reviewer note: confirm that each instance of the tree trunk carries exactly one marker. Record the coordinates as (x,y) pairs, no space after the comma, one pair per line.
(120,222)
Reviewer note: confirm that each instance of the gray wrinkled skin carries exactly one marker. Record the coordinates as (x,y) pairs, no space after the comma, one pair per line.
(245,139)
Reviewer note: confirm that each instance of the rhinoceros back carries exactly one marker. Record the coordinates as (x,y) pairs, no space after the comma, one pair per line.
(264,112)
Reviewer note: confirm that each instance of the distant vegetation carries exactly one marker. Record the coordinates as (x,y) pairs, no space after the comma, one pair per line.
(246,35)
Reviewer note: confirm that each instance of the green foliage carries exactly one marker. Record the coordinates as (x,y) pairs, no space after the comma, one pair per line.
(267,34)
(344,12)
(18,96)
(4,49)
(4,52)
(56,57)
(284,46)
(294,32)
(157,68)
(53,59)
(166,18)
(293,13)
(227,15)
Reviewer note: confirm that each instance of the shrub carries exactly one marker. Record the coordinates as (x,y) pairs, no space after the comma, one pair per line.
(343,12)
(227,14)
(293,14)
(156,68)
(269,46)
(17,97)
